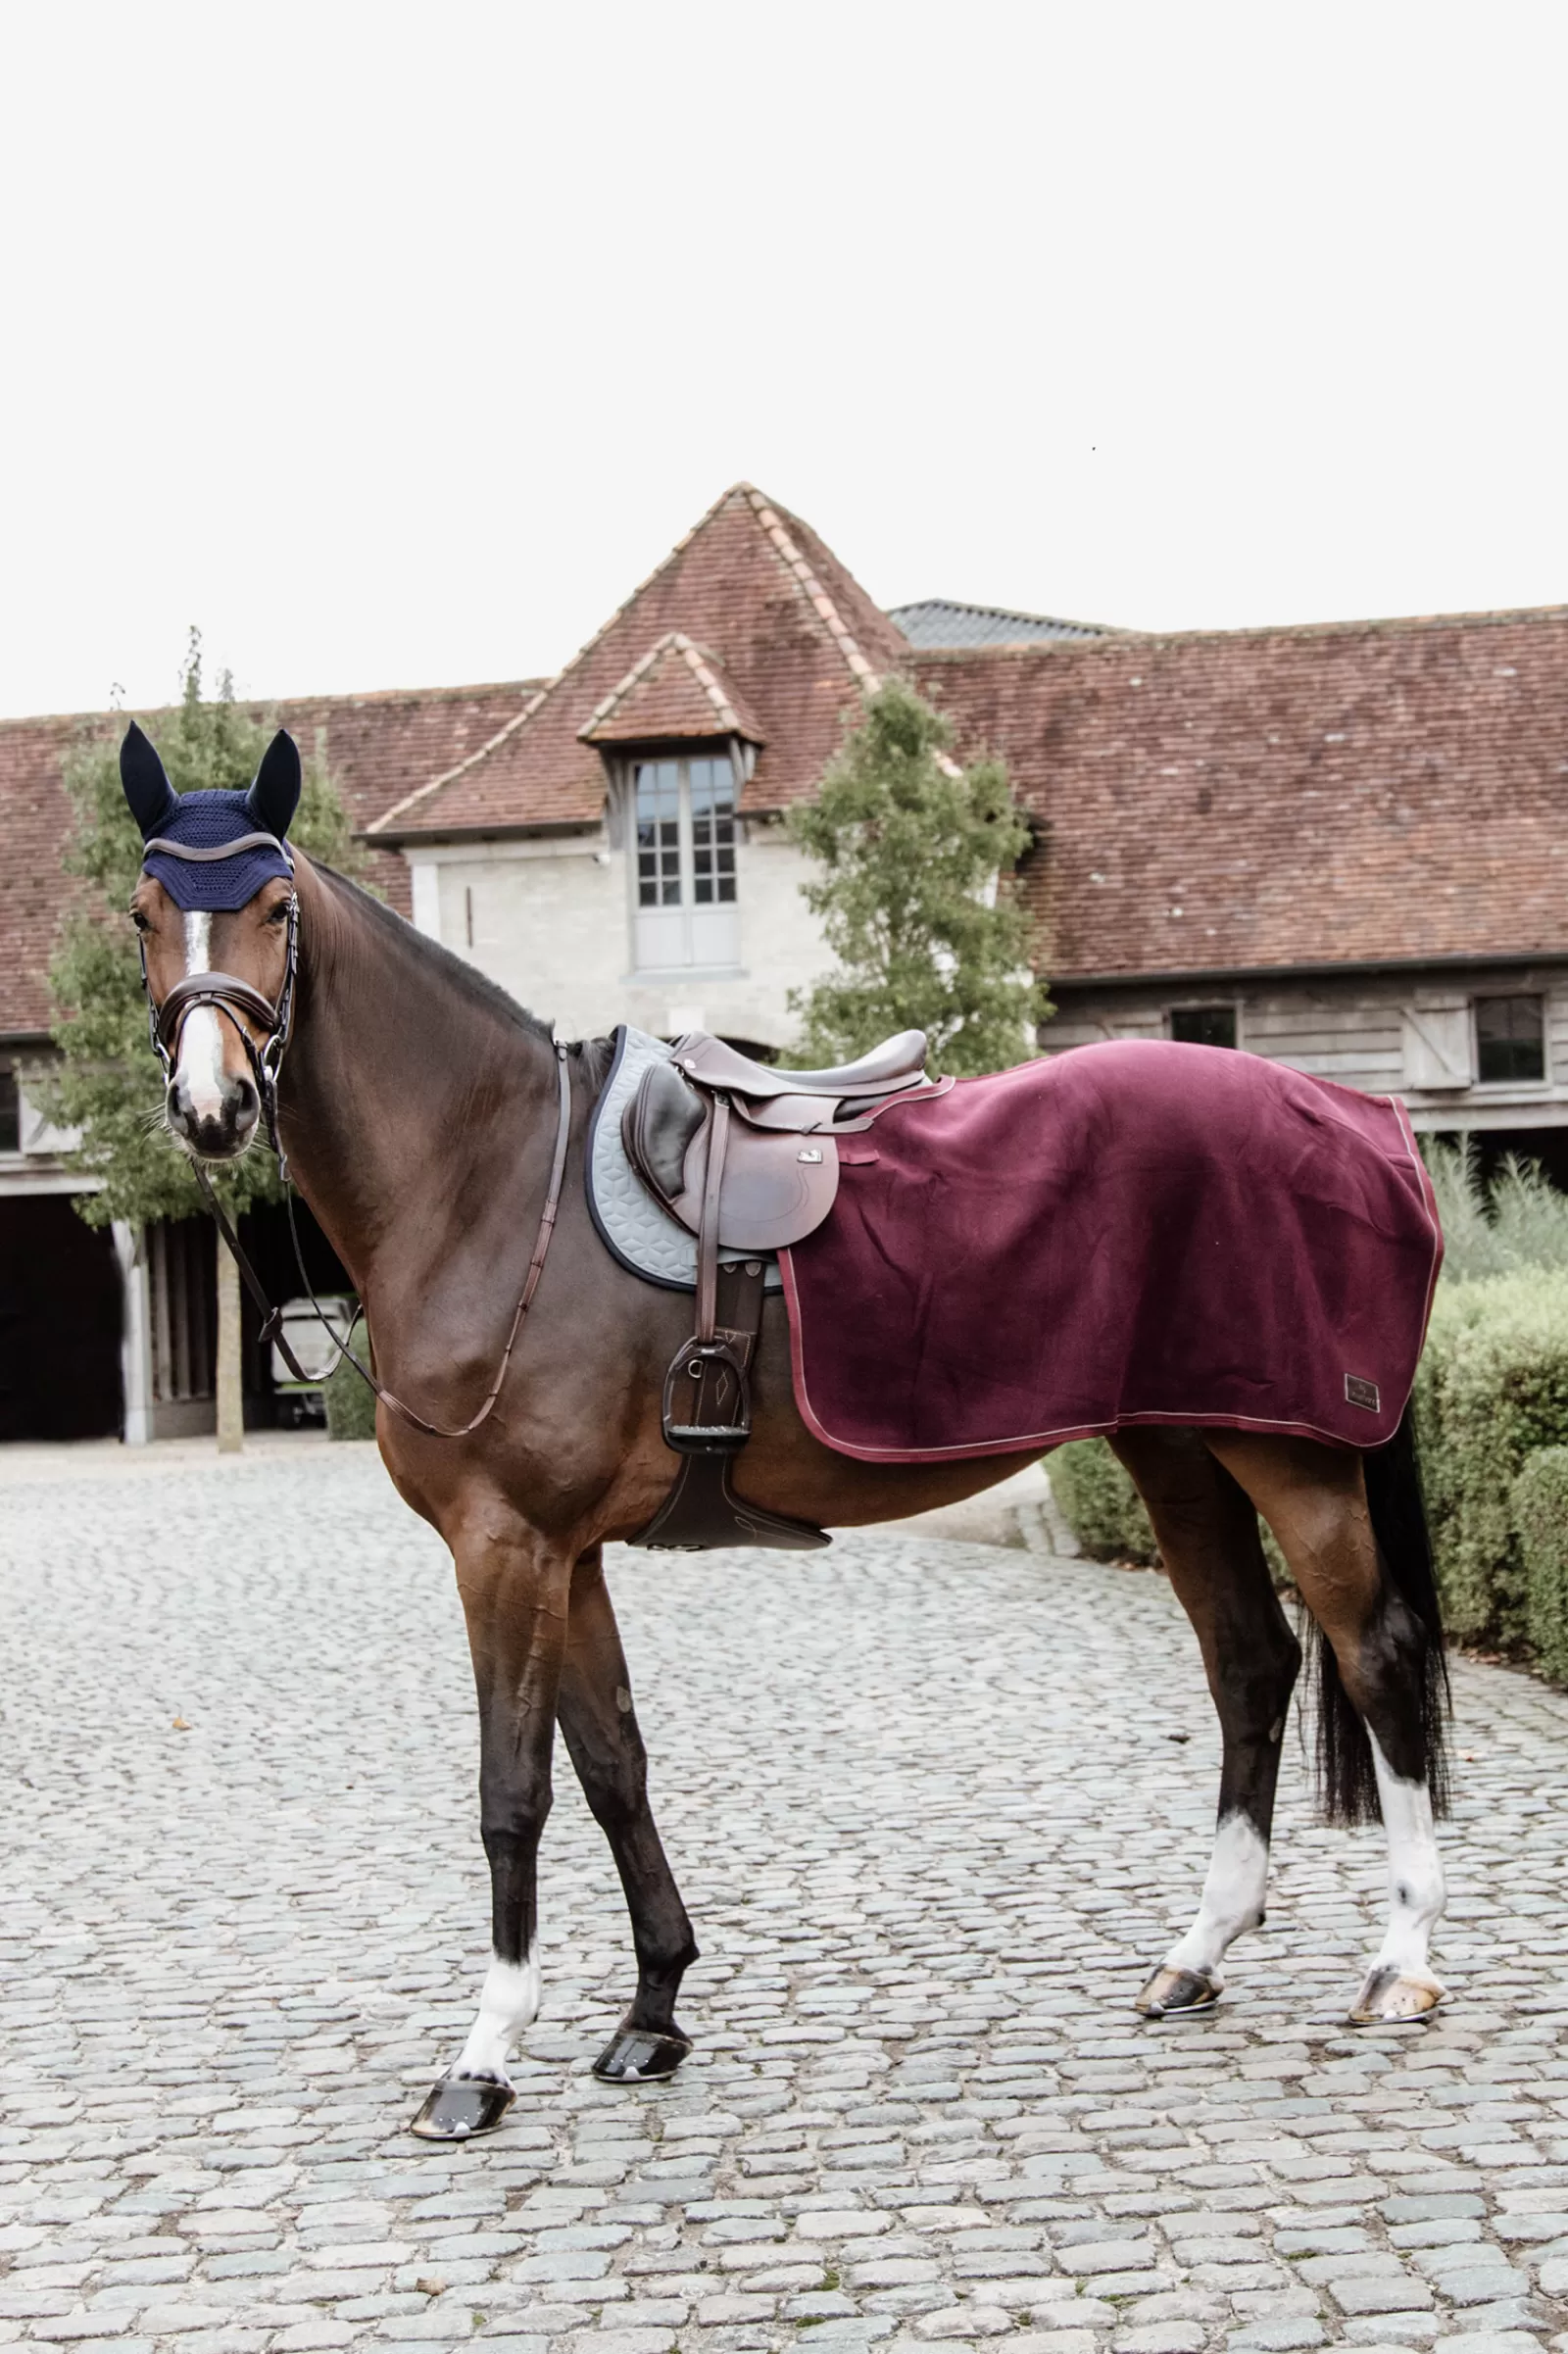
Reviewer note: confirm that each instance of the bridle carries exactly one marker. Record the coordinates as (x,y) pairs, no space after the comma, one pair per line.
(231,997)
(226,994)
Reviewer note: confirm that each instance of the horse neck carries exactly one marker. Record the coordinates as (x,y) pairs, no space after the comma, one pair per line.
(408,1105)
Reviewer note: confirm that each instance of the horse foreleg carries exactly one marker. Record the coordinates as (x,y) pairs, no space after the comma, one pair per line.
(514,1590)
(1209,1540)
(1314,1500)
(600,1727)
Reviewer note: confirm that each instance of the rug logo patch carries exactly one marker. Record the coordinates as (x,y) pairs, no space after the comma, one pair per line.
(1362,1392)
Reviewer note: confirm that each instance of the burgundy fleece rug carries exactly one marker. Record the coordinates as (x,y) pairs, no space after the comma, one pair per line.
(1131,1233)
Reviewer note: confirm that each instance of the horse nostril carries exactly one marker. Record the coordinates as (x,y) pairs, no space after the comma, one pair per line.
(246,1103)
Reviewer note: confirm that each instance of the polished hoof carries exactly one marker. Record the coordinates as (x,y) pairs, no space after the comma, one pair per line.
(462,2106)
(637,2055)
(1395,1999)
(1171,1990)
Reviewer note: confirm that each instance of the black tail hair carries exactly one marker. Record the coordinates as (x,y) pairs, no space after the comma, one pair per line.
(1347,1789)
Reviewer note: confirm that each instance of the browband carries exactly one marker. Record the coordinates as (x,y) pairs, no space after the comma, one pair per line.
(224,850)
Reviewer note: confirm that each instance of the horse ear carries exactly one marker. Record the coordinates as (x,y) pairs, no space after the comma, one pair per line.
(276,794)
(146,788)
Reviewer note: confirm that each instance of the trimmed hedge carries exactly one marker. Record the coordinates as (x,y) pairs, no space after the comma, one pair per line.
(1491,1417)
(1493,1388)
(1098,1503)
(1105,1511)
(1541,1522)
(350,1401)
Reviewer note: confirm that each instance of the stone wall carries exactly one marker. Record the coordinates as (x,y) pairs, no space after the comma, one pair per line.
(549,918)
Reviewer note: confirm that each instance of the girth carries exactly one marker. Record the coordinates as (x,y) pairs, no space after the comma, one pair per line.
(745,1157)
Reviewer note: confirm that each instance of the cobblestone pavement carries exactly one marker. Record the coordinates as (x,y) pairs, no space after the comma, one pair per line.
(935,1807)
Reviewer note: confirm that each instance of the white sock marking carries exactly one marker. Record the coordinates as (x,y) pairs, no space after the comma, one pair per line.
(1233,1891)
(507,2003)
(201,1041)
(1417,1889)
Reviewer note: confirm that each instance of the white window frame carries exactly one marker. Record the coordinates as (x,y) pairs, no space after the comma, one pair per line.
(706,936)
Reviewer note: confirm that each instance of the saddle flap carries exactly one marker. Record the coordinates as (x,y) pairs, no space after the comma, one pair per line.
(657,1129)
(777,1188)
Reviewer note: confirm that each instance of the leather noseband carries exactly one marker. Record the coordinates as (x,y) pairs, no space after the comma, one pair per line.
(224,990)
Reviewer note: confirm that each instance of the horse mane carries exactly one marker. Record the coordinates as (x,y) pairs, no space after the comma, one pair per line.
(476,987)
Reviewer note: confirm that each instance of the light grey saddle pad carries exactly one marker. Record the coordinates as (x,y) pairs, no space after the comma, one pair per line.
(631,1224)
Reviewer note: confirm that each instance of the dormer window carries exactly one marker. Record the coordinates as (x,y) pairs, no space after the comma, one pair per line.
(683,811)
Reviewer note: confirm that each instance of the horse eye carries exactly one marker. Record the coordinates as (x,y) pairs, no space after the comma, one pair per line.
(279,914)
(139,920)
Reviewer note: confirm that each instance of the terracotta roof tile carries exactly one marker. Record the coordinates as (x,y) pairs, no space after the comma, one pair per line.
(675,690)
(799,641)
(1372,791)
(1384,791)
(376,744)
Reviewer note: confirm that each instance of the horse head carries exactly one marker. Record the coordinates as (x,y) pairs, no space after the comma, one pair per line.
(215,911)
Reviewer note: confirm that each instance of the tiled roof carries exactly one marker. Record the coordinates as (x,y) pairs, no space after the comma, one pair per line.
(375,744)
(799,640)
(938,621)
(675,690)
(1261,799)
(1384,791)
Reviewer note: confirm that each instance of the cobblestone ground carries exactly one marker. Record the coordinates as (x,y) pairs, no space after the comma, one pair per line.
(935,1807)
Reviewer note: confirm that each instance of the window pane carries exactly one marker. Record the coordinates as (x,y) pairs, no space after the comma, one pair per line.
(1510,1038)
(658,794)
(1204,1025)
(712,787)
(10,1110)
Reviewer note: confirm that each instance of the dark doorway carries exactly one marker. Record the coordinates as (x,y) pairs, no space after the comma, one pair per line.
(60,1322)
(264,1233)
(1548,1146)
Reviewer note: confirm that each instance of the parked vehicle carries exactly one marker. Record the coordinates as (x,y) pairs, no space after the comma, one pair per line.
(311,1341)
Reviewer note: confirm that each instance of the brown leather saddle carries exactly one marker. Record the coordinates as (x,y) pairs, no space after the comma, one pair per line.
(745,1156)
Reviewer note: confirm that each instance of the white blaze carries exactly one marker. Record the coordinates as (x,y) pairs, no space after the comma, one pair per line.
(201,1040)
(507,2003)
(1233,1891)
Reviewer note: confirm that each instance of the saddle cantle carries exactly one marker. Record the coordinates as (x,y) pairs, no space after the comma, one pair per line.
(780,1169)
(744,1156)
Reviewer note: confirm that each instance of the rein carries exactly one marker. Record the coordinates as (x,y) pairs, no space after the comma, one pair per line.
(228,994)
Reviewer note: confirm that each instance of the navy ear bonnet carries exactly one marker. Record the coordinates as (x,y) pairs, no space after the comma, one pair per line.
(212,852)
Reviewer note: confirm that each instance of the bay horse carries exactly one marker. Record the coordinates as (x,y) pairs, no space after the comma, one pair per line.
(424,1114)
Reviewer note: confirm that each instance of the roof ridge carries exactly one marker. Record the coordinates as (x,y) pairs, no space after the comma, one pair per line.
(867,679)
(816,596)
(422,792)
(1059,623)
(1118,640)
(412,800)
(696,661)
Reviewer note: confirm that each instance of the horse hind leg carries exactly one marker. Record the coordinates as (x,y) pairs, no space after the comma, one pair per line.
(599,1724)
(1208,1539)
(1357,1542)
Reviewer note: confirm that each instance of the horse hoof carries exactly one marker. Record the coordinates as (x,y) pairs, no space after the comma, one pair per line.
(462,2106)
(1393,1998)
(1171,1990)
(637,2055)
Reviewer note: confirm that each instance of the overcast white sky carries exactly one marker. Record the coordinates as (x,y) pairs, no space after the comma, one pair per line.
(394,346)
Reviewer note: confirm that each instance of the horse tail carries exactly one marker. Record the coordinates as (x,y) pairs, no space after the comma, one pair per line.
(1347,1789)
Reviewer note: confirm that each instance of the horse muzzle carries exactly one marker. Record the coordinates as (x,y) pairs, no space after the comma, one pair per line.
(217,1127)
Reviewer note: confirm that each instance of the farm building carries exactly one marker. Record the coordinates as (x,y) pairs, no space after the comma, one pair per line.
(1339,846)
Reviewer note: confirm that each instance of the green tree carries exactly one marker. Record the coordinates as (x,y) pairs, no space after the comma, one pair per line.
(915,853)
(106,1084)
